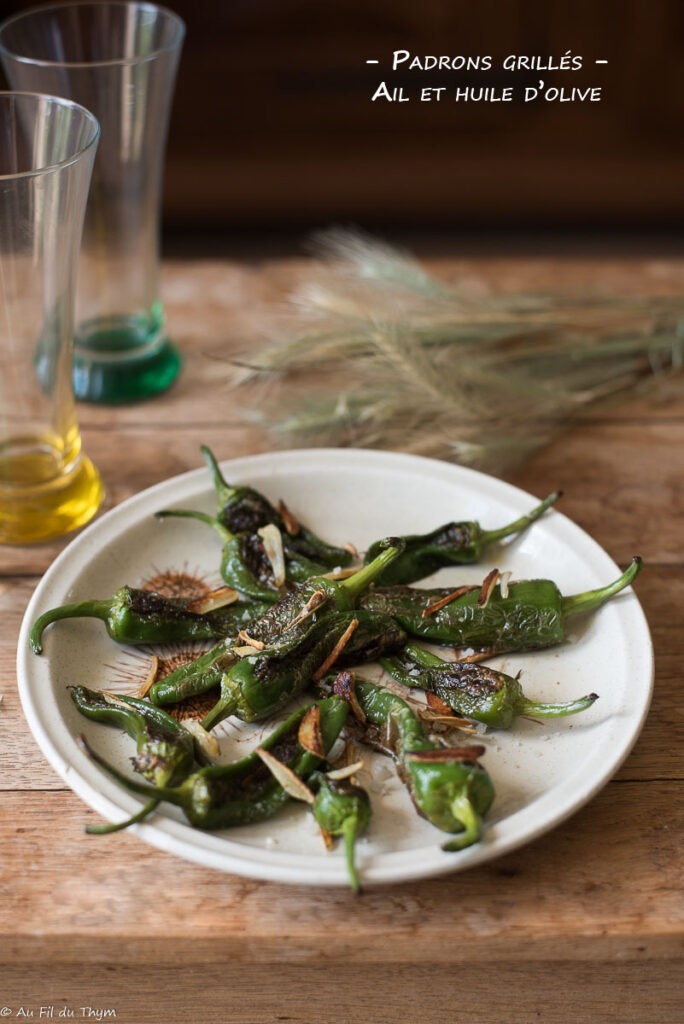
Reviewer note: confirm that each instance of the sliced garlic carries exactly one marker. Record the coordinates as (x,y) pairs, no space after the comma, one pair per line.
(273,546)
(290,782)
(218,598)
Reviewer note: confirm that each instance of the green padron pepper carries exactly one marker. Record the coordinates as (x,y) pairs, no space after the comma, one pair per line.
(242,508)
(165,751)
(475,691)
(525,615)
(245,791)
(136,616)
(311,625)
(451,544)
(447,785)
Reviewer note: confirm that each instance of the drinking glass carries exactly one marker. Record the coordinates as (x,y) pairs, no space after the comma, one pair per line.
(47,484)
(119,60)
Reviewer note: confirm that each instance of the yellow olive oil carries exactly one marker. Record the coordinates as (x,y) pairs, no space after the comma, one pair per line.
(41,494)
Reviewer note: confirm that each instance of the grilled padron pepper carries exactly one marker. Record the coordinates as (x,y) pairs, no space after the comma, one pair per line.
(243,516)
(262,683)
(374,636)
(451,544)
(342,809)
(306,629)
(448,786)
(135,616)
(527,615)
(244,509)
(305,602)
(475,691)
(245,565)
(222,796)
(164,749)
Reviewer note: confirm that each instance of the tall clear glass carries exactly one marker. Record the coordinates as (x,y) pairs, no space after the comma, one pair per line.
(47,147)
(119,60)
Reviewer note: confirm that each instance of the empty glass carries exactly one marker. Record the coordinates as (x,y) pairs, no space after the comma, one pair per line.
(47,485)
(119,60)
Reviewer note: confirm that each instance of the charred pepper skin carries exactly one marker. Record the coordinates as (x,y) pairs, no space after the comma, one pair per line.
(478,692)
(258,684)
(244,792)
(165,750)
(305,602)
(262,684)
(135,616)
(242,508)
(532,616)
(451,544)
(449,787)
(244,564)
(374,637)
(242,512)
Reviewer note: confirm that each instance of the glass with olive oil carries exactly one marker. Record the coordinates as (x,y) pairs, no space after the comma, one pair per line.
(48,486)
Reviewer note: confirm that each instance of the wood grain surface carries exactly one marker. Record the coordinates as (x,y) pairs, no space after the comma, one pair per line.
(584,924)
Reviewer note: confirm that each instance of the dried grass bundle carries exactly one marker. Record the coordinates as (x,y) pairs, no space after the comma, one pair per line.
(387,356)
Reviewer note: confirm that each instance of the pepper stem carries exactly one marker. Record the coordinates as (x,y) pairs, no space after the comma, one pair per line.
(536,709)
(350,831)
(105,830)
(518,525)
(361,580)
(224,492)
(463,810)
(203,517)
(81,610)
(224,706)
(591,599)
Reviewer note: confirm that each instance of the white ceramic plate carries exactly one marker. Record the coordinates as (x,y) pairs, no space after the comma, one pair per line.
(542,773)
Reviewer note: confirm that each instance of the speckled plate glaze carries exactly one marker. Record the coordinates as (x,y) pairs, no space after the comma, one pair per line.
(542,772)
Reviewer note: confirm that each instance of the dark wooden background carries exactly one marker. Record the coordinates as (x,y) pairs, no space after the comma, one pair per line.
(273,128)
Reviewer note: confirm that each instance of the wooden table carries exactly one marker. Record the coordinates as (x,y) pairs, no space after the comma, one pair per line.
(583,925)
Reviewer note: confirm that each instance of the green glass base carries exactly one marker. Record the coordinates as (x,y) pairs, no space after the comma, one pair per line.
(123,380)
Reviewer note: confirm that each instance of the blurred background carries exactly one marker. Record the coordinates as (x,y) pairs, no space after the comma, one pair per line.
(274,132)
